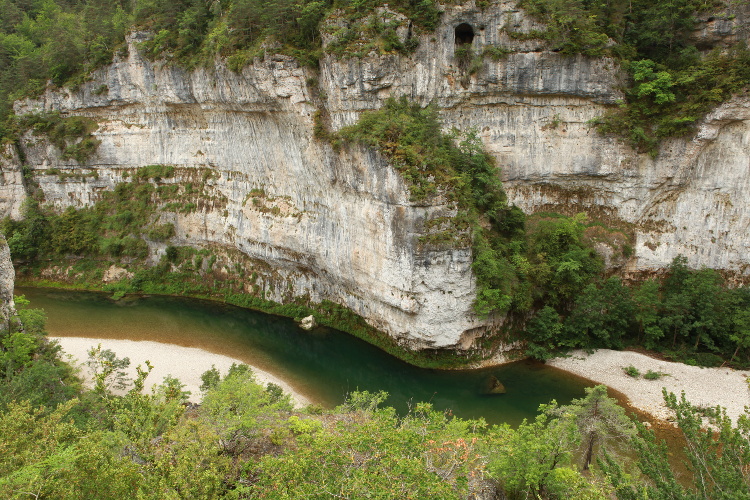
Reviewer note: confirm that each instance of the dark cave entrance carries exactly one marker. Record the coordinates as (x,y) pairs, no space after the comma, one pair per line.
(464,34)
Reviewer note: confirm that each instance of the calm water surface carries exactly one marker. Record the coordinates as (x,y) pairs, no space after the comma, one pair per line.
(323,365)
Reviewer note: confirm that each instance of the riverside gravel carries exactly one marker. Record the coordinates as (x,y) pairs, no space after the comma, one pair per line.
(703,386)
(184,363)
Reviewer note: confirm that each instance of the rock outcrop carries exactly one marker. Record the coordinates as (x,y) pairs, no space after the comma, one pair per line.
(7,283)
(339,225)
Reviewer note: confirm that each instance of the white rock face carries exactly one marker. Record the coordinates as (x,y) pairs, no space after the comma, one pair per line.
(7,283)
(344,230)
(533,110)
(339,225)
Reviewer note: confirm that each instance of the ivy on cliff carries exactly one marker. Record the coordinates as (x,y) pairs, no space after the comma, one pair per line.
(71,135)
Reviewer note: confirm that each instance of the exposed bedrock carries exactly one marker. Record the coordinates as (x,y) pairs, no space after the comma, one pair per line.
(339,225)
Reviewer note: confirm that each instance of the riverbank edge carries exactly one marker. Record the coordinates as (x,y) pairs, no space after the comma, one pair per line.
(351,323)
(193,363)
(707,387)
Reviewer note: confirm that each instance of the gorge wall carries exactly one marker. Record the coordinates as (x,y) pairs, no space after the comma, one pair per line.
(339,225)
(7,283)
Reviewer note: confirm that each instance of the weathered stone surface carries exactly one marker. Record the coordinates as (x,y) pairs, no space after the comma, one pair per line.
(494,386)
(345,229)
(115,273)
(7,284)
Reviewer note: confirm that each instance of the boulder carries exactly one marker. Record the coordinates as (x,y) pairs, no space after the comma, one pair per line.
(494,386)
(308,323)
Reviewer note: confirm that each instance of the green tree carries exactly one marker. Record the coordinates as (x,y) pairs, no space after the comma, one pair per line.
(598,419)
(646,302)
(523,460)
(544,333)
(717,451)
(601,316)
(44,455)
(370,452)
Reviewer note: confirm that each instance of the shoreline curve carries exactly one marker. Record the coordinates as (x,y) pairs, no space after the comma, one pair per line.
(184,363)
(706,387)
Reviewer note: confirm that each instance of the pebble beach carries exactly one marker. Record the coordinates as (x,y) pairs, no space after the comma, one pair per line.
(184,363)
(702,386)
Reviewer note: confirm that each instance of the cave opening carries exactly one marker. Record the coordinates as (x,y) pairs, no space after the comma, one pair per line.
(464,34)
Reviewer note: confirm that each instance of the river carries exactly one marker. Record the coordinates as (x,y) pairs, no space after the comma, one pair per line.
(323,365)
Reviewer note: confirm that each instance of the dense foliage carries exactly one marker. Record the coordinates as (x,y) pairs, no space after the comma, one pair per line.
(690,315)
(516,267)
(675,79)
(116,226)
(247,441)
(57,41)
(546,263)
(61,41)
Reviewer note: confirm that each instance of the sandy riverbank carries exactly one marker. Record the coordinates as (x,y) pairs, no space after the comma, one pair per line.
(184,363)
(702,386)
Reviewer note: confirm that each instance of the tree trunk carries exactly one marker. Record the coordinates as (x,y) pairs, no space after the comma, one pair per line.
(589,451)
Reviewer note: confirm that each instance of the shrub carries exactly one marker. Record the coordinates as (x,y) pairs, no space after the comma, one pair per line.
(631,371)
(652,375)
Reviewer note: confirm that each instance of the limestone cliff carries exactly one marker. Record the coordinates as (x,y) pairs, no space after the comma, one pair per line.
(339,225)
(7,280)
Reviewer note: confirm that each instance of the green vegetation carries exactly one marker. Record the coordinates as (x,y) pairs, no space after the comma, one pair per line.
(71,135)
(652,375)
(57,41)
(674,79)
(517,264)
(62,41)
(247,441)
(691,316)
(114,227)
(716,458)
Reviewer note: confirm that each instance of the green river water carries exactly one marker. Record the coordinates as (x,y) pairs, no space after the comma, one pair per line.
(323,365)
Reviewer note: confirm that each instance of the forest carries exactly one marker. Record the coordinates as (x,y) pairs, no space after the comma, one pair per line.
(59,440)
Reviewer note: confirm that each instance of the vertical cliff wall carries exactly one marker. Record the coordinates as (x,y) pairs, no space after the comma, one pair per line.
(339,225)
(7,283)
(533,110)
(319,223)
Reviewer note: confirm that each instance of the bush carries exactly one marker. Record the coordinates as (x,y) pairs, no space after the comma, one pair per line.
(632,371)
(652,375)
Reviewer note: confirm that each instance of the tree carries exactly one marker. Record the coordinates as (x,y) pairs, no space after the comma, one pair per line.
(740,319)
(601,316)
(717,451)
(646,303)
(107,370)
(523,460)
(598,418)
(544,334)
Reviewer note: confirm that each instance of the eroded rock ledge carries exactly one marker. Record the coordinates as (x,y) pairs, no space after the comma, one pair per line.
(339,225)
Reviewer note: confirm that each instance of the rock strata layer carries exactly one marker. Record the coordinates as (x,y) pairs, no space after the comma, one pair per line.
(339,225)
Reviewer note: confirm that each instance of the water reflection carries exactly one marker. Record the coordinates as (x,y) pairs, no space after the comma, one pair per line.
(323,365)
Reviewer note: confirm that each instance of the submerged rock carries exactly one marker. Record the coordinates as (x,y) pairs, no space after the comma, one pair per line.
(494,386)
